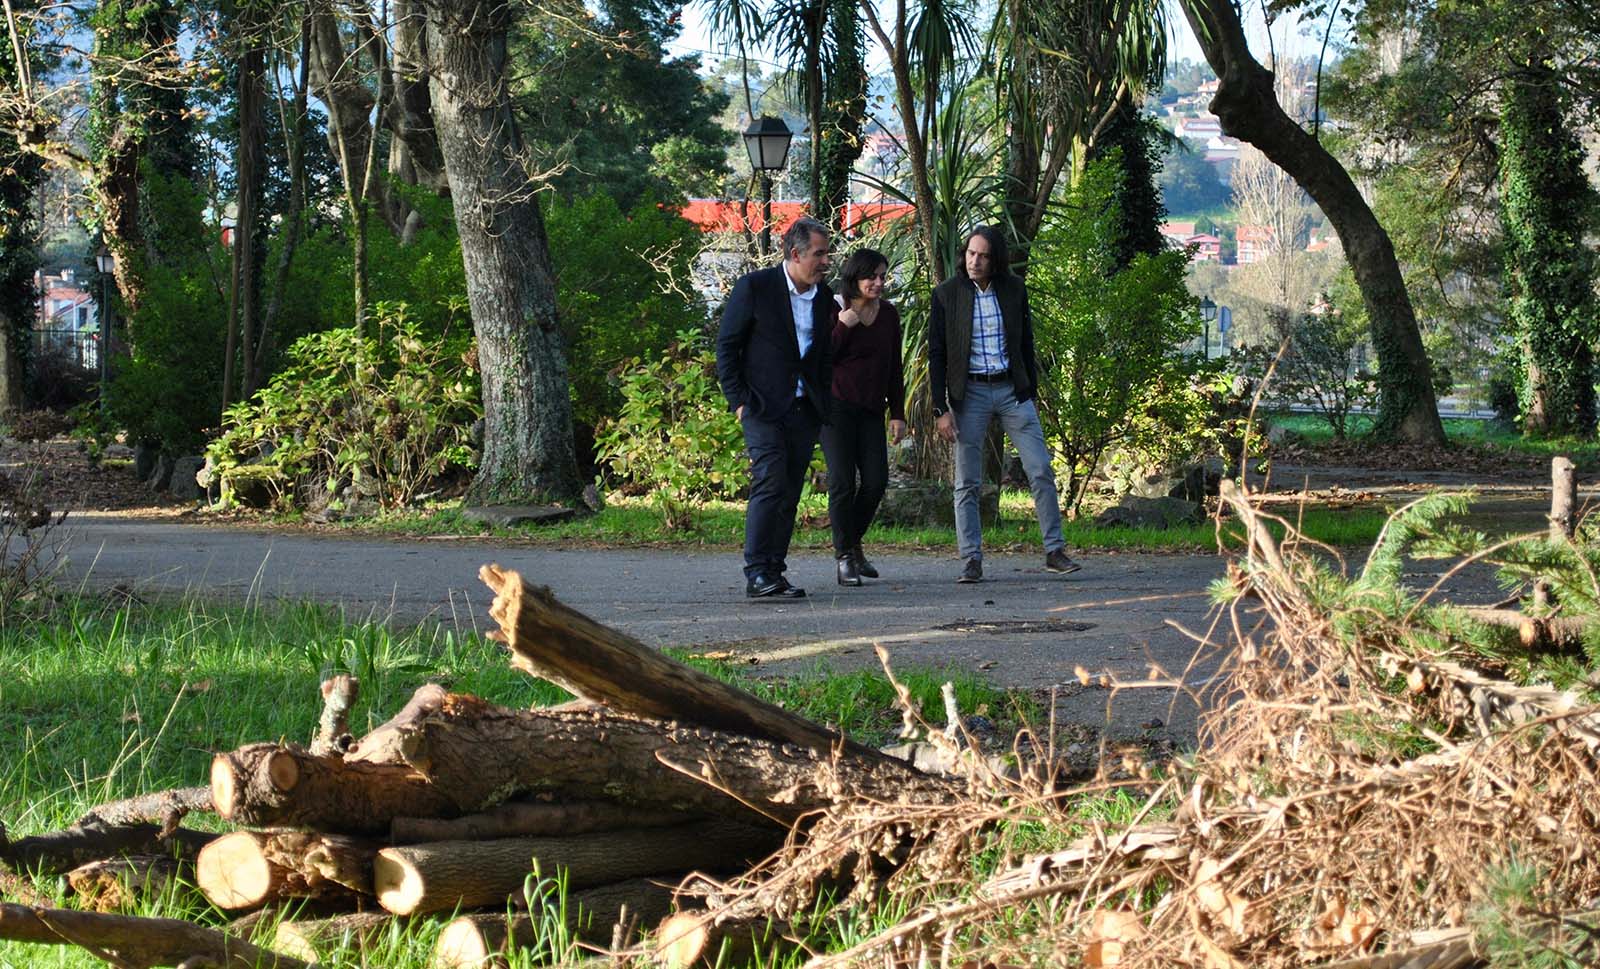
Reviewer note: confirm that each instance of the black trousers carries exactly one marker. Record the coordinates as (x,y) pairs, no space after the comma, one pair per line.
(780,452)
(858,471)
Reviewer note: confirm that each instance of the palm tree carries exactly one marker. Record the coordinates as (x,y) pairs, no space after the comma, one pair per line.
(1065,70)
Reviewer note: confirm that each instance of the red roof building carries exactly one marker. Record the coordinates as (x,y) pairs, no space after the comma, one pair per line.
(725,215)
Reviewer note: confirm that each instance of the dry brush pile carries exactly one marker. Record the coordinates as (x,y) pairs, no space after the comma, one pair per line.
(1372,788)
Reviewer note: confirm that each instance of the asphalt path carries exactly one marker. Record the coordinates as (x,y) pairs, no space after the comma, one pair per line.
(1022,627)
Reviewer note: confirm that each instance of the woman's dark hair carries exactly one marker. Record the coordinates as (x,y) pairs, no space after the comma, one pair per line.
(999,252)
(862,264)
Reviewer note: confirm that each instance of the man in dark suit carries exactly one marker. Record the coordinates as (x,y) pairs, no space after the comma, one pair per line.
(773,364)
(981,367)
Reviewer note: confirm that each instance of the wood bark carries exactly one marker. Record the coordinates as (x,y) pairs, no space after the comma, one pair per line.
(339,693)
(517,819)
(118,884)
(166,808)
(246,869)
(55,852)
(484,941)
(483,754)
(551,640)
(381,744)
(695,939)
(528,451)
(312,939)
(132,941)
(295,217)
(441,875)
(1248,108)
(267,785)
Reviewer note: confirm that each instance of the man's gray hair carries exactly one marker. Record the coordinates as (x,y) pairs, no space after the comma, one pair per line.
(799,233)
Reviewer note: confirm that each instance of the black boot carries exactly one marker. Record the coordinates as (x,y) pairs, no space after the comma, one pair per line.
(847,570)
(863,567)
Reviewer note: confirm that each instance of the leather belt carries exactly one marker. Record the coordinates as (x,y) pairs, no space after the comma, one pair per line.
(998,377)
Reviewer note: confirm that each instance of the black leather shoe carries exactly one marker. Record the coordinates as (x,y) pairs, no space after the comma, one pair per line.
(767,587)
(971,572)
(864,568)
(847,570)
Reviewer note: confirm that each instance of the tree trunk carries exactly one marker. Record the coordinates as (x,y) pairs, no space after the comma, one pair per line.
(846,100)
(1545,199)
(247,869)
(690,940)
(520,819)
(528,450)
(313,939)
(482,754)
(414,155)
(59,851)
(137,941)
(550,640)
(442,875)
(1249,110)
(281,785)
(592,915)
(118,884)
(294,218)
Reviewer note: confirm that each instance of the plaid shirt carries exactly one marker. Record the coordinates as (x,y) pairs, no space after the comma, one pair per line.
(988,354)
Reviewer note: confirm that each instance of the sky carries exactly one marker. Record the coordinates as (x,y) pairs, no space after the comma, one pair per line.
(1288,38)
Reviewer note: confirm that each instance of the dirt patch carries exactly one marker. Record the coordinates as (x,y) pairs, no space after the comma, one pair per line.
(60,473)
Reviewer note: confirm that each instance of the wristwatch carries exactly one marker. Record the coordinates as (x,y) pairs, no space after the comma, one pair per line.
(939,412)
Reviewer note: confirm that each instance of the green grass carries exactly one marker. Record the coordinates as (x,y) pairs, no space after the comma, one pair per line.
(98,704)
(629,522)
(1459,430)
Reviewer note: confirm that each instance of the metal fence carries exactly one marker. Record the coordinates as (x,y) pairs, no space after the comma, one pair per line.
(79,347)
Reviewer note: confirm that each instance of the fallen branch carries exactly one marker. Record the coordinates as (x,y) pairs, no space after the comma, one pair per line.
(126,940)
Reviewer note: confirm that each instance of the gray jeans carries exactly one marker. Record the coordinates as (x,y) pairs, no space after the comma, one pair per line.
(1021,423)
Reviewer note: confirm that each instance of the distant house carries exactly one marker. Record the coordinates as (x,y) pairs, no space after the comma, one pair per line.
(1255,242)
(68,319)
(1208,89)
(1201,127)
(1208,248)
(1178,232)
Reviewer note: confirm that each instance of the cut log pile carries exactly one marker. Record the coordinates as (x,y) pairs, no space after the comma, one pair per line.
(456,804)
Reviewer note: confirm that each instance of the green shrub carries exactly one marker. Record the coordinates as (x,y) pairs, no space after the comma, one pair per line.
(674,435)
(622,288)
(385,415)
(168,390)
(1110,373)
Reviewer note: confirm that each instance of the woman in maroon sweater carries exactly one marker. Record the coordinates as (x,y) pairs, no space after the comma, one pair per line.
(867,380)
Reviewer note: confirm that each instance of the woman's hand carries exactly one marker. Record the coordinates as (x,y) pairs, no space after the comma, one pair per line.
(849,317)
(897,431)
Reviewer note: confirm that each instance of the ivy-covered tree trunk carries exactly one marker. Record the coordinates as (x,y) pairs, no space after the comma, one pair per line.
(845,102)
(1248,108)
(1138,199)
(527,439)
(1546,205)
(20,174)
(137,124)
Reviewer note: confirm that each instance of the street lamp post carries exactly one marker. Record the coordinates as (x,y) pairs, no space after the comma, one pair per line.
(1208,312)
(105,261)
(767,142)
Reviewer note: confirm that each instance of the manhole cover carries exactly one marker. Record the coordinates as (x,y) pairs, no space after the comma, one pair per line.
(1011,627)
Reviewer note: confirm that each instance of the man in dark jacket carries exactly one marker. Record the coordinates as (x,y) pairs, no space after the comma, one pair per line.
(773,364)
(981,365)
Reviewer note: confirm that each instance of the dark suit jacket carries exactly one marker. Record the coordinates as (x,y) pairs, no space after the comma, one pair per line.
(950,338)
(758,353)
